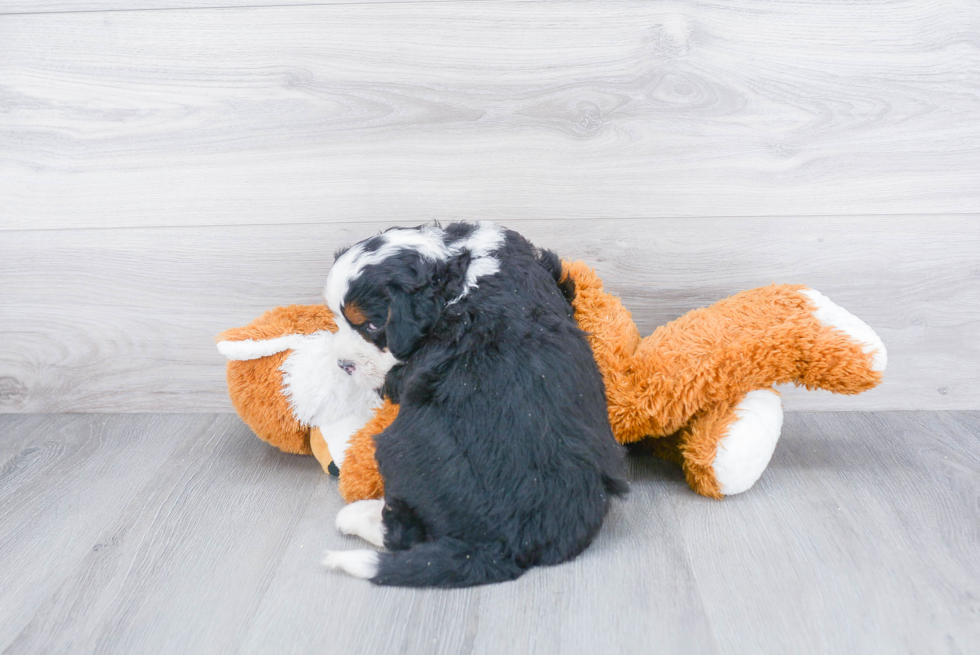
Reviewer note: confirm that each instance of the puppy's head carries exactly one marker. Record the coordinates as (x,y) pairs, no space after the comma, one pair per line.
(391,289)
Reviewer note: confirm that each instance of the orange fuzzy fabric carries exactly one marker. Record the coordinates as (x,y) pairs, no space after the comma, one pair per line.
(359,476)
(685,380)
(255,386)
(751,340)
(676,390)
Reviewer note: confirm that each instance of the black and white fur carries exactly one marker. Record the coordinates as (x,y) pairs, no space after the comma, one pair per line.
(501,457)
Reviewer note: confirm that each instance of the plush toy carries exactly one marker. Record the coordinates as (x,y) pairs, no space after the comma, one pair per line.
(698,391)
(284,382)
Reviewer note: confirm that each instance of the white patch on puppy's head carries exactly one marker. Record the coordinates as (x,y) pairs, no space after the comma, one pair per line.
(428,241)
(363,360)
(390,289)
(484,241)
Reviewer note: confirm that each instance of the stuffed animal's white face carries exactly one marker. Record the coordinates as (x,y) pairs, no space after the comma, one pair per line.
(329,381)
(324,395)
(366,365)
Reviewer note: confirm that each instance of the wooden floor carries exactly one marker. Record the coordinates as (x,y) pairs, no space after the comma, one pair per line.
(185,534)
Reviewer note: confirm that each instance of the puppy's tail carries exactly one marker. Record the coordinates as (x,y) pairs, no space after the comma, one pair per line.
(446,562)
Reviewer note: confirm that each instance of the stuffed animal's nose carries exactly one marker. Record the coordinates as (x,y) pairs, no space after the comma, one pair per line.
(346,365)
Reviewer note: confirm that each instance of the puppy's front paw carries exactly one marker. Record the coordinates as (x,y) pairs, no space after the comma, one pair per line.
(357,563)
(363,519)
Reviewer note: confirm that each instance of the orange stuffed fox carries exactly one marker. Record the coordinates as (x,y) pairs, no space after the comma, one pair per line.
(698,391)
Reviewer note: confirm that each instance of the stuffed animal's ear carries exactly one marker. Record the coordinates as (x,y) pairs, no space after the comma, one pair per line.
(246,349)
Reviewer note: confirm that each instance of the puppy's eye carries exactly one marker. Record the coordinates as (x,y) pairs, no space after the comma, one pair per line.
(372,327)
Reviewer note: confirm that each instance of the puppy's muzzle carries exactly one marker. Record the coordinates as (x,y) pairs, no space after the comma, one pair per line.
(347,366)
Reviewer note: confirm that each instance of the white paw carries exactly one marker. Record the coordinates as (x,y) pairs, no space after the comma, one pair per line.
(363,519)
(358,563)
(833,315)
(744,453)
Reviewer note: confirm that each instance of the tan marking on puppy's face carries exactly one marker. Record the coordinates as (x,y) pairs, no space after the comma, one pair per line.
(354,314)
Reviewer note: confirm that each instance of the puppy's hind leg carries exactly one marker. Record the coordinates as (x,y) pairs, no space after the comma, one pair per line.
(402,524)
(357,563)
(363,519)
(394,524)
(391,524)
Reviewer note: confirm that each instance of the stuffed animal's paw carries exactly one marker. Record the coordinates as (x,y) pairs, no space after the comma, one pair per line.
(834,316)
(745,450)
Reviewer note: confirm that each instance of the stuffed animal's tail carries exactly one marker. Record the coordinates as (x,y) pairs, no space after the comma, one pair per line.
(446,562)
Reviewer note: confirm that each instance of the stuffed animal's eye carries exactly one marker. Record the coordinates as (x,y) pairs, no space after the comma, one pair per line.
(372,327)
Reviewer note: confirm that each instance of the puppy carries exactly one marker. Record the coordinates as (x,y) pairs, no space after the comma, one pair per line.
(501,457)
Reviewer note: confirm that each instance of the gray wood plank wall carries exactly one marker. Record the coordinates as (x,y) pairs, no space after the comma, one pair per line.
(168,174)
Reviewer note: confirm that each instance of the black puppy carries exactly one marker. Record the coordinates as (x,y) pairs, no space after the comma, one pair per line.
(501,457)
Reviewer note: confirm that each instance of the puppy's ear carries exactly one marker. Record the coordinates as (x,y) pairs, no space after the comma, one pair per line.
(417,300)
(451,276)
(553,264)
(410,315)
